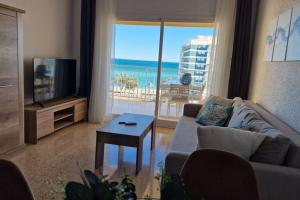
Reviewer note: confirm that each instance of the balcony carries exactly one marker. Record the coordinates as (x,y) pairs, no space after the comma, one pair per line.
(135,91)
(200,67)
(201,73)
(196,47)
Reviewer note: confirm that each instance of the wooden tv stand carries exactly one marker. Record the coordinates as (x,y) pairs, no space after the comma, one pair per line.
(42,121)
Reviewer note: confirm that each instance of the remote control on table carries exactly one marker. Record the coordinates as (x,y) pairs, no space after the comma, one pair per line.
(130,123)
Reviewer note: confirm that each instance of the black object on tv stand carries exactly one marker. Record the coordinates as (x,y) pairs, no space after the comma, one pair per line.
(38,103)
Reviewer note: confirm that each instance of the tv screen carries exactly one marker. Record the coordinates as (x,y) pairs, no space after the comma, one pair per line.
(53,78)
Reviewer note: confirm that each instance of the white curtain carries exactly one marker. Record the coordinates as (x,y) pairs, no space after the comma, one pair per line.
(101,98)
(221,53)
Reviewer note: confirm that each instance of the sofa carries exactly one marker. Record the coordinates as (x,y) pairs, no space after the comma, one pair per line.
(275,182)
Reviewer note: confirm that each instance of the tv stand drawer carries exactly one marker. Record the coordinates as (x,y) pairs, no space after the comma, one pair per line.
(45,123)
(80,111)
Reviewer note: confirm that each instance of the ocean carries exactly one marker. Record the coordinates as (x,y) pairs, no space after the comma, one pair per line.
(145,72)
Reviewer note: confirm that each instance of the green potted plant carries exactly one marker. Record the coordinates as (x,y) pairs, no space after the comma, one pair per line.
(186,79)
(100,188)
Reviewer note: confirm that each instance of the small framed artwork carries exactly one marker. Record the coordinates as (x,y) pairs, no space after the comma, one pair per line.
(282,36)
(293,49)
(270,40)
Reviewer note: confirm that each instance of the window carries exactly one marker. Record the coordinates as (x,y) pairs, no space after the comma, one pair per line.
(143,86)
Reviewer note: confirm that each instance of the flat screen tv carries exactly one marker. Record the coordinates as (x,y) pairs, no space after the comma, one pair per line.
(53,79)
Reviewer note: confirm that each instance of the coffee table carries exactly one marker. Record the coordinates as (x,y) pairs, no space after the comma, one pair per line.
(120,134)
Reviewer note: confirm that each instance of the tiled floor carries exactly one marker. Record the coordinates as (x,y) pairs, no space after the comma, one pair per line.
(53,160)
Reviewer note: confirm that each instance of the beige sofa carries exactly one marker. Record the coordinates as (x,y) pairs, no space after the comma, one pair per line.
(274,182)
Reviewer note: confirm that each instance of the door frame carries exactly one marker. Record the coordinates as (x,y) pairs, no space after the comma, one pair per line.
(162,122)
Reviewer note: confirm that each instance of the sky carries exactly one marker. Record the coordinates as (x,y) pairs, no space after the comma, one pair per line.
(142,42)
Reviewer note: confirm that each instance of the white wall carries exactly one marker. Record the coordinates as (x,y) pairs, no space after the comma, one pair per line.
(50,30)
(275,85)
(169,10)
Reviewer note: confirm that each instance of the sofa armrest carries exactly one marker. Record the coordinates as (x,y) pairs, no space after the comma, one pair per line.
(277,182)
(191,110)
(174,162)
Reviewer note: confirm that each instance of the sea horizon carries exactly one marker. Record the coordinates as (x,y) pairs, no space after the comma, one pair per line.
(145,63)
(145,71)
(143,60)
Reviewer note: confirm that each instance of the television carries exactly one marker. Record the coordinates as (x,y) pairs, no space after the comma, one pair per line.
(53,79)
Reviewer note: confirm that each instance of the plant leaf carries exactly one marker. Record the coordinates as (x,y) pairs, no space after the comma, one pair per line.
(103,192)
(92,179)
(129,196)
(78,191)
(174,189)
(86,183)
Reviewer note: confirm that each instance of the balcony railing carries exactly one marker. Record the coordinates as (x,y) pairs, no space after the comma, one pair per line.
(195,54)
(139,83)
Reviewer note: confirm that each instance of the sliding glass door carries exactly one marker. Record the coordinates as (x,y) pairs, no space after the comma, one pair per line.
(185,63)
(135,68)
(160,66)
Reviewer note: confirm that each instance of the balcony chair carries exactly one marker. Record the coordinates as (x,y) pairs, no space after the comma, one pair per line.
(179,95)
(173,94)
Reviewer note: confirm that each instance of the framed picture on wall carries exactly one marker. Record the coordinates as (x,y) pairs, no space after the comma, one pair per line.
(270,40)
(293,50)
(282,36)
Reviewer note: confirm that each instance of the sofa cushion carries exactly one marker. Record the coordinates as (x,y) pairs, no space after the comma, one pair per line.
(191,110)
(253,122)
(293,157)
(244,117)
(214,115)
(272,150)
(216,100)
(239,142)
(184,138)
(237,102)
(239,114)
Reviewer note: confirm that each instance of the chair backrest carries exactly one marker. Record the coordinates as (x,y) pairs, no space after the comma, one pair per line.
(179,92)
(196,92)
(13,185)
(214,175)
(165,90)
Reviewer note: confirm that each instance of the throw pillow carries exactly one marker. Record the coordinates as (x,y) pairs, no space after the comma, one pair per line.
(217,100)
(293,157)
(253,122)
(244,117)
(214,115)
(239,115)
(237,102)
(240,142)
(272,150)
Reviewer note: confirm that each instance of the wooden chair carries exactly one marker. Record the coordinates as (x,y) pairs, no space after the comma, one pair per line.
(214,175)
(196,93)
(179,95)
(13,185)
(164,97)
(175,94)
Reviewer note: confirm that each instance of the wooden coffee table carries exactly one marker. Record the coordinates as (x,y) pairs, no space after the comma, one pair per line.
(120,134)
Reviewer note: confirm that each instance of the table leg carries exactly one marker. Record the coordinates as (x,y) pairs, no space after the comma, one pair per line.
(153,134)
(120,155)
(139,157)
(99,152)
